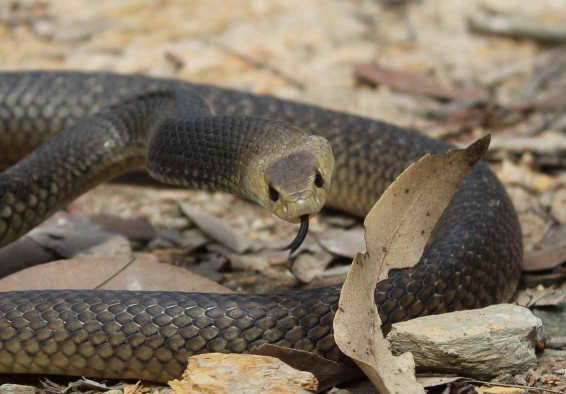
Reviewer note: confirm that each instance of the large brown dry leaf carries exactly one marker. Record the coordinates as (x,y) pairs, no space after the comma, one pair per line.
(397,229)
(136,272)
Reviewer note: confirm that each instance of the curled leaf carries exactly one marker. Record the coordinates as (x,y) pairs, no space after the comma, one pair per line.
(397,230)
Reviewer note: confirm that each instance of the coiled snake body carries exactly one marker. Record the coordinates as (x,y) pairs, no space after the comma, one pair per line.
(472,261)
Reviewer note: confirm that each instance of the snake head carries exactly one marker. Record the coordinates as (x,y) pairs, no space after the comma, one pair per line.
(298,183)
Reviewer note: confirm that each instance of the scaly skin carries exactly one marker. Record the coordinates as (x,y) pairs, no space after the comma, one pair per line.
(473,260)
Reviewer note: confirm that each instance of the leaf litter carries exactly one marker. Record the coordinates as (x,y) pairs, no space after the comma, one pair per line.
(507,63)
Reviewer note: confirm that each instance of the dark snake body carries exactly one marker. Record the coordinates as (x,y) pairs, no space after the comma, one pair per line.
(473,260)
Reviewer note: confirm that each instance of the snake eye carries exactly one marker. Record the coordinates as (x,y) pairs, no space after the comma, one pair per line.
(318,180)
(273,194)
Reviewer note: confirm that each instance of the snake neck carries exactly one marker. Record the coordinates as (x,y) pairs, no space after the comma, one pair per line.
(170,132)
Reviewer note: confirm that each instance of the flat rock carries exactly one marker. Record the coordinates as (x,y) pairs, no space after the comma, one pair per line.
(242,373)
(479,343)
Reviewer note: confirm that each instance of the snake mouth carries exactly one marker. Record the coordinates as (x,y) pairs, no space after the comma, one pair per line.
(302,234)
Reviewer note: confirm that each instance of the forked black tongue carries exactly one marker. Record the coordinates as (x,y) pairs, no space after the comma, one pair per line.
(303,230)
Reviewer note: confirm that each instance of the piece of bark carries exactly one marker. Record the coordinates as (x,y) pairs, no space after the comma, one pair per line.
(241,373)
(479,343)
(397,230)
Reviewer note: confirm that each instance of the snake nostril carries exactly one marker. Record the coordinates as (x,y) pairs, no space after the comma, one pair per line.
(273,194)
(318,180)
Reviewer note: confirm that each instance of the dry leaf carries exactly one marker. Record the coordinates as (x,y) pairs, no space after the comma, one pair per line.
(257,261)
(139,229)
(69,235)
(548,253)
(397,229)
(344,243)
(217,229)
(308,266)
(22,254)
(553,298)
(530,296)
(137,272)
(63,235)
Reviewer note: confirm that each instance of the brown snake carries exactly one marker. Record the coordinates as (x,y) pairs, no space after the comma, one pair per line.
(110,120)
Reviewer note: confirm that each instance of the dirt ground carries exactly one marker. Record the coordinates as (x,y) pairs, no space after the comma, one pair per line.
(445,68)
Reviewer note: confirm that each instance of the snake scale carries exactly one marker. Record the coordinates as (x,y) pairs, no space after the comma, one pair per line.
(473,259)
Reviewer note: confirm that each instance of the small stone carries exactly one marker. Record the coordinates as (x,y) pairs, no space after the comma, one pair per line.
(16,389)
(478,343)
(241,373)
